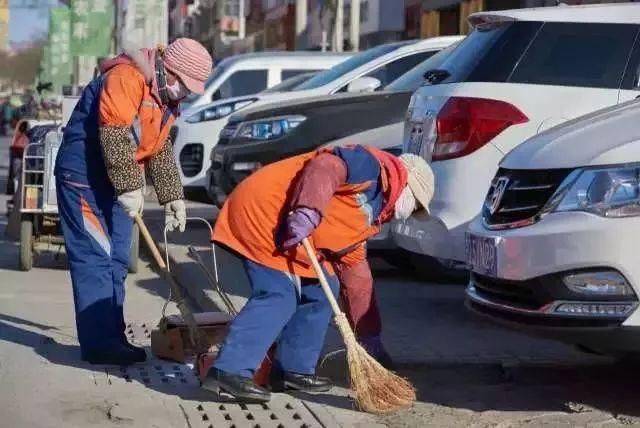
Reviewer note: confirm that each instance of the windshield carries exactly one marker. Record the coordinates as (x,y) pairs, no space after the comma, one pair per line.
(289,84)
(217,72)
(411,80)
(349,65)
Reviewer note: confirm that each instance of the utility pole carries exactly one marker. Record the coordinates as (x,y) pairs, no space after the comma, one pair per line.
(354,27)
(301,22)
(241,20)
(339,38)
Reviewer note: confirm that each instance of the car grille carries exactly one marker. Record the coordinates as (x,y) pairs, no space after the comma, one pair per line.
(513,293)
(516,197)
(173,135)
(191,159)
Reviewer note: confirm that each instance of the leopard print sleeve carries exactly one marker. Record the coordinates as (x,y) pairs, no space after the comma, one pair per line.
(164,174)
(119,158)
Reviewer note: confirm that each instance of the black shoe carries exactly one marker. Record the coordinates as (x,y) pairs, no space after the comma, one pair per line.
(302,382)
(118,355)
(139,352)
(243,389)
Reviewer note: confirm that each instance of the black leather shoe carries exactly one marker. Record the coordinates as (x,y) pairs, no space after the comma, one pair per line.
(303,382)
(243,389)
(118,355)
(139,352)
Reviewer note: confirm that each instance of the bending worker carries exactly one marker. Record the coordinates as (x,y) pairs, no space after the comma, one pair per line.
(120,124)
(338,198)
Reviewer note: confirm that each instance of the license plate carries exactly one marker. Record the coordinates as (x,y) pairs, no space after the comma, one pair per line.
(481,254)
(415,139)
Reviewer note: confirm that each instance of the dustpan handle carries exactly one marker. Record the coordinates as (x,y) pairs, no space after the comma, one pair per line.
(186,313)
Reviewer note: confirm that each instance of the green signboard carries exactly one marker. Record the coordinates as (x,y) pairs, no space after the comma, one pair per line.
(92,24)
(59,46)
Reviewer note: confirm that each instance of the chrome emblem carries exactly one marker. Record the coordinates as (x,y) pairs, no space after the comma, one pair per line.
(499,187)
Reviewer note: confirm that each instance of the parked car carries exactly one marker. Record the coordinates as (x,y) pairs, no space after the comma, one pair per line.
(259,136)
(518,73)
(290,83)
(554,251)
(196,132)
(251,73)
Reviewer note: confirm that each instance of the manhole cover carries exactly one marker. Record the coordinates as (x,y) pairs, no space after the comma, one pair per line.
(282,411)
(139,333)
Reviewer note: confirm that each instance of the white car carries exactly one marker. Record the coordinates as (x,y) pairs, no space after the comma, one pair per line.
(555,249)
(518,73)
(196,131)
(247,74)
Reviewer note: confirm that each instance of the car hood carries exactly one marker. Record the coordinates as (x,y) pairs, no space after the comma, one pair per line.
(605,137)
(299,105)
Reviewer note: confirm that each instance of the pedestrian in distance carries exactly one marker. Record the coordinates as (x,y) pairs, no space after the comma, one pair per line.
(338,198)
(119,128)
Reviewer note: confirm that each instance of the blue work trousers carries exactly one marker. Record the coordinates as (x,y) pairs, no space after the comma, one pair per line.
(277,313)
(97,235)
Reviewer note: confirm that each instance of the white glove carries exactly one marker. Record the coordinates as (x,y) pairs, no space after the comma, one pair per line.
(132,202)
(175,215)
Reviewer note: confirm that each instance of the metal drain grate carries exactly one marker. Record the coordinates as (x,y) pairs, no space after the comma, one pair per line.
(139,333)
(282,411)
(155,373)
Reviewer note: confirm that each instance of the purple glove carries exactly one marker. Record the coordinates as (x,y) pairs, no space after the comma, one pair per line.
(299,224)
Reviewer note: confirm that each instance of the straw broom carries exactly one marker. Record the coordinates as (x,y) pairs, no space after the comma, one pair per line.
(377,390)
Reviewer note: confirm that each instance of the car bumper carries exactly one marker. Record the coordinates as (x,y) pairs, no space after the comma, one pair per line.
(204,136)
(383,240)
(525,286)
(461,187)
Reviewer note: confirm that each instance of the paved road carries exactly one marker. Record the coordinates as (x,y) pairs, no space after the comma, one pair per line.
(467,372)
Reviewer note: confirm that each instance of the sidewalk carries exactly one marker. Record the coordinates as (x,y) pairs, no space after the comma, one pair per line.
(43,382)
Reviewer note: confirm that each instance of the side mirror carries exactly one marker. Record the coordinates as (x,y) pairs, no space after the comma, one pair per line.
(216,96)
(364,84)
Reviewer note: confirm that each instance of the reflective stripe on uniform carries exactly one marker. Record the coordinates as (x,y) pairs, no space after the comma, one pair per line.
(94,228)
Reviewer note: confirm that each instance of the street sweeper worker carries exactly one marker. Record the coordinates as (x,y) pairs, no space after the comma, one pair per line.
(120,126)
(338,198)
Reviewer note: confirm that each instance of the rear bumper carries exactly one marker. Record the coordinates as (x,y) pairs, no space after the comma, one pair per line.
(461,188)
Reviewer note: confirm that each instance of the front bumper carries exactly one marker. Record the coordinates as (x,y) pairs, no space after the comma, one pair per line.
(203,137)
(527,289)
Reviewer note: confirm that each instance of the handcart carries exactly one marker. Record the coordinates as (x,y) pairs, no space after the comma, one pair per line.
(37,203)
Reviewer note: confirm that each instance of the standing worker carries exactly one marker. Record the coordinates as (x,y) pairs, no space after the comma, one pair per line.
(338,198)
(120,124)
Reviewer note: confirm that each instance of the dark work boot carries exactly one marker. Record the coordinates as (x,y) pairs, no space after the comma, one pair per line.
(300,382)
(118,355)
(139,352)
(243,389)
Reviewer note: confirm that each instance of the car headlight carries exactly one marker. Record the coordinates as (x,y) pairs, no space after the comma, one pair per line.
(218,111)
(607,192)
(269,129)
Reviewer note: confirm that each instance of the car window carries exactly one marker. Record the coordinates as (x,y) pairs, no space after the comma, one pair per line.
(552,53)
(348,65)
(590,55)
(290,84)
(396,68)
(286,74)
(411,80)
(243,82)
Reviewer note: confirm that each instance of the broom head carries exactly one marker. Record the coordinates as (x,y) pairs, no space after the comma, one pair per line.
(377,390)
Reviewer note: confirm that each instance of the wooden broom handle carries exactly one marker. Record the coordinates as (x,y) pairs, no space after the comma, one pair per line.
(321,276)
(150,242)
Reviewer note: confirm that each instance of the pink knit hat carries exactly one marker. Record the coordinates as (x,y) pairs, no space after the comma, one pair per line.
(190,61)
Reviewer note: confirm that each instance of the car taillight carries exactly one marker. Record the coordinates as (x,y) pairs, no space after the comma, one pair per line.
(466,124)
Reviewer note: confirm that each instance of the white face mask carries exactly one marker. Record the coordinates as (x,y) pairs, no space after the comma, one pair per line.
(405,205)
(177,91)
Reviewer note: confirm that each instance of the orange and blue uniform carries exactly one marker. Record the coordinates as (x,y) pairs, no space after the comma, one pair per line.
(118,125)
(354,189)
